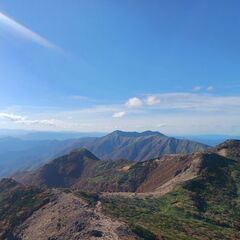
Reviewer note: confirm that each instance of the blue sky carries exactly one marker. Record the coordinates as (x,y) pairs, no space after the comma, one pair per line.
(102,65)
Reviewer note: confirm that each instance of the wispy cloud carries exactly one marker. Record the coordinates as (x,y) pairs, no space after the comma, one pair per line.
(197,88)
(209,88)
(48,122)
(194,102)
(13,26)
(11,117)
(119,114)
(202,88)
(79,97)
(161,125)
(152,100)
(24,120)
(175,112)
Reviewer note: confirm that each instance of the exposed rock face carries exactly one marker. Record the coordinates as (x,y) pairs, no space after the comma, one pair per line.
(171,170)
(229,148)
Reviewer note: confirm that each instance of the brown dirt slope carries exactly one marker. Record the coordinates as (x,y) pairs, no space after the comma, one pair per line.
(70,217)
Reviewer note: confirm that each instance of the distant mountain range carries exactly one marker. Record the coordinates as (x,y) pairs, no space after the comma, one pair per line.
(211,140)
(136,146)
(17,154)
(176,196)
(21,154)
(46,135)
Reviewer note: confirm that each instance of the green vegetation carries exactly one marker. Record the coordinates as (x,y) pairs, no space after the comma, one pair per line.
(111,176)
(91,198)
(204,208)
(136,175)
(142,233)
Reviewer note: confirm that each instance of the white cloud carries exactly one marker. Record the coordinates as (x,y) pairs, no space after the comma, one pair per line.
(184,101)
(119,114)
(134,102)
(24,120)
(23,31)
(209,88)
(11,117)
(152,100)
(160,125)
(198,102)
(197,88)
(176,113)
(48,122)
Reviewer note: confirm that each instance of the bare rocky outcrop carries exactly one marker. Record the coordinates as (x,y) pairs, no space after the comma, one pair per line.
(70,217)
(229,148)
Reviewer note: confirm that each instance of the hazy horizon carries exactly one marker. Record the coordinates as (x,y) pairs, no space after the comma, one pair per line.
(75,131)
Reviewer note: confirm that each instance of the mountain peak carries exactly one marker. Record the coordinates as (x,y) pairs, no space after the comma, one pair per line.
(84,152)
(229,148)
(63,171)
(136,134)
(230,143)
(81,151)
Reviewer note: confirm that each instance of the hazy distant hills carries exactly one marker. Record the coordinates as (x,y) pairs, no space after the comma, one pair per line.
(45,135)
(17,154)
(22,154)
(211,140)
